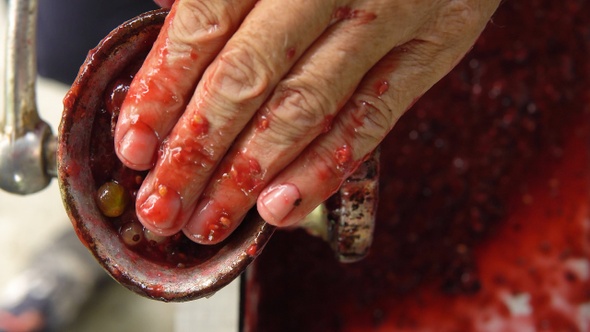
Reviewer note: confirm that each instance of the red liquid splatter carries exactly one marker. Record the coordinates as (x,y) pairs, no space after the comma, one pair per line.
(252,249)
(199,125)
(343,155)
(291,53)
(346,13)
(245,174)
(262,123)
(218,227)
(381,87)
(342,13)
(73,168)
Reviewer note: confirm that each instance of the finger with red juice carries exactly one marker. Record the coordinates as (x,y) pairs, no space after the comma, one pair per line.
(335,77)
(303,156)
(230,92)
(160,91)
(289,121)
(370,114)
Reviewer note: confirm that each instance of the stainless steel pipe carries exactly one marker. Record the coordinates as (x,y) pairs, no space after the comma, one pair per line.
(27,145)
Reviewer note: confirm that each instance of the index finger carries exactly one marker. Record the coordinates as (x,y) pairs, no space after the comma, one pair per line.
(193,33)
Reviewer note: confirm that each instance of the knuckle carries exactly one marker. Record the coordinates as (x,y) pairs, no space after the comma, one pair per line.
(169,97)
(461,15)
(324,167)
(240,76)
(458,21)
(377,120)
(299,112)
(198,22)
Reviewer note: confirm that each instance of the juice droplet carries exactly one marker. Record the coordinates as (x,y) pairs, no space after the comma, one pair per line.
(346,13)
(224,222)
(342,13)
(252,250)
(291,53)
(381,87)
(116,93)
(217,228)
(193,55)
(245,173)
(199,125)
(343,155)
(162,190)
(262,123)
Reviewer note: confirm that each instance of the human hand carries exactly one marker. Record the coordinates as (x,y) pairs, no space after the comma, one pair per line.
(275,103)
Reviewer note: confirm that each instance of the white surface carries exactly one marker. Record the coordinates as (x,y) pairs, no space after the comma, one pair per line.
(28,223)
(220,313)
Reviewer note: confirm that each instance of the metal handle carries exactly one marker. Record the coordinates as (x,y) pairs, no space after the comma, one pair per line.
(347,219)
(27,145)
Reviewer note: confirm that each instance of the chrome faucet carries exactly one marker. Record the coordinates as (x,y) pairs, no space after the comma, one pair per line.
(27,145)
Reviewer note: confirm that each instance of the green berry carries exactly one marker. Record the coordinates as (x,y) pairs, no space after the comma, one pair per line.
(112,199)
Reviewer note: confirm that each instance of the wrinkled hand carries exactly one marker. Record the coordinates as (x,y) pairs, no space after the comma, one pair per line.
(276,102)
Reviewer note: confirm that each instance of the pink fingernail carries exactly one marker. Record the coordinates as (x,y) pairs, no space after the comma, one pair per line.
(277,203)
(160,211)
(138,146)
(196,227)
(211,223)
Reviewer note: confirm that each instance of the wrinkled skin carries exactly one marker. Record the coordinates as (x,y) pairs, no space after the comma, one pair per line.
(274,103)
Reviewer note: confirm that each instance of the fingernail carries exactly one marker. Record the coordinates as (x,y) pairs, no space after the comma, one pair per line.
(195,229)
(211,223)
(277,203)
(159,212)
(138,146)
